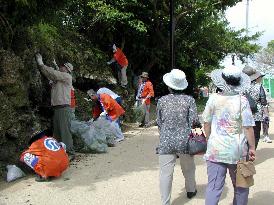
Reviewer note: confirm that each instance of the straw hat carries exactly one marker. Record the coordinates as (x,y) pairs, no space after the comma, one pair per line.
(218,80)
(176,79)
(144,75)
(252,73)
(69,66)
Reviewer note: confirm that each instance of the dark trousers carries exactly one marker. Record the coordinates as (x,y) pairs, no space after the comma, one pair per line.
(257,132)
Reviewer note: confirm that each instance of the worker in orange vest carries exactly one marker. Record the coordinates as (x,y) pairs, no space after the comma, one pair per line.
(45,156)
(121,59)
(106,107)
(145,92)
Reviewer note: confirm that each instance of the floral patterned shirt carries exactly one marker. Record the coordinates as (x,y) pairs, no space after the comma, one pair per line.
(175,116)
(227,142)
(259,96)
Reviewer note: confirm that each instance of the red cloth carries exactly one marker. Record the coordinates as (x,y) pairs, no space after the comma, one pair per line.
(96,111)
(47,157)
(120,57)
(147,91)
(73,98)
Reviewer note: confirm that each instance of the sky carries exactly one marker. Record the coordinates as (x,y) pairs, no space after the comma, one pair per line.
(261,18)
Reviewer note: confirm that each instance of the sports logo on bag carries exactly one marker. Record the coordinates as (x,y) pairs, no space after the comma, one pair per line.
(30,159)
(51,144)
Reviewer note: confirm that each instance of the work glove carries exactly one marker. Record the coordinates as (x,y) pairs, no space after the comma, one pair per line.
(62,144)
(39,59)
(87,99)
(143,101)
(108,62)
(103,114)
(55,64)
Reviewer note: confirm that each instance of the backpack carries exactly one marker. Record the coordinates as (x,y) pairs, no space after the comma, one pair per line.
(252,103)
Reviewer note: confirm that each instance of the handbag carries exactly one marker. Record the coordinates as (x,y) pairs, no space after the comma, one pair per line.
(244,174)
(245,169)
(196,143)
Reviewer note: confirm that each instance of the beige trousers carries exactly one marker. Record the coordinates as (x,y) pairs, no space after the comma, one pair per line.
(167,163)
(123,76)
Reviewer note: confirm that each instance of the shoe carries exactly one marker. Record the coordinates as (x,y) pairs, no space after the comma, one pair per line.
(267,140)
(191,194)
(142,125)
(71,157)
(41,179)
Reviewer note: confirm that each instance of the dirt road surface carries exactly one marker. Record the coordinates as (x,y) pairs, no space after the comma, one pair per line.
(128,175)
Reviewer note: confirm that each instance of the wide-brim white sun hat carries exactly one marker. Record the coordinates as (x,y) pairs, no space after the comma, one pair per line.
(176,79)
(218,80)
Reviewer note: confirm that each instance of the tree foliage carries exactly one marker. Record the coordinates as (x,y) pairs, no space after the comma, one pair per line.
(203,36)
(265,58)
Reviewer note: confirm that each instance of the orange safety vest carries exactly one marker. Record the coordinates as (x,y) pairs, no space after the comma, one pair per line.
(72,98)
(148,90)
(120,57)
(46,157)
(112,108)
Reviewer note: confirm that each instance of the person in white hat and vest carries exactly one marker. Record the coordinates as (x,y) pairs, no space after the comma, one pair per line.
(144,94)
(60,100)
(176,114)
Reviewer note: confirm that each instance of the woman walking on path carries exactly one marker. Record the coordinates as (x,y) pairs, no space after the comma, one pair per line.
(176,113)
(228,125)
(257,92)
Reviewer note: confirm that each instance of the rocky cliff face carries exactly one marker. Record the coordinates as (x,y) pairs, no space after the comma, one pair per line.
(25,93)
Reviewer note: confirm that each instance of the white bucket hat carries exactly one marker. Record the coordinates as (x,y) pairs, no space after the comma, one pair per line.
(218,80)
(176,79)
(69,66)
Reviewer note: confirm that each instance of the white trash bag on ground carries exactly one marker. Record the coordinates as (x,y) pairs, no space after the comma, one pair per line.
(14,173)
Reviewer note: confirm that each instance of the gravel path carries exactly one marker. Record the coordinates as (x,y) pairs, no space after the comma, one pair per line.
(128,175)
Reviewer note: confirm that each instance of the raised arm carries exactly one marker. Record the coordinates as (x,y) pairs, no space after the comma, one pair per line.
(50,73)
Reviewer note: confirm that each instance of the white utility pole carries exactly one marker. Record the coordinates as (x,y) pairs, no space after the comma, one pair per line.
(247,21)
(247,16)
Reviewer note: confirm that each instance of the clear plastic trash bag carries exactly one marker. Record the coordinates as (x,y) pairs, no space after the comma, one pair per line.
(97,135)
(14,173)
(139,112)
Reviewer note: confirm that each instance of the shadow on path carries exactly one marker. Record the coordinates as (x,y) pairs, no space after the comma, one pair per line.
(264,154)
(262,198)
(182,199)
